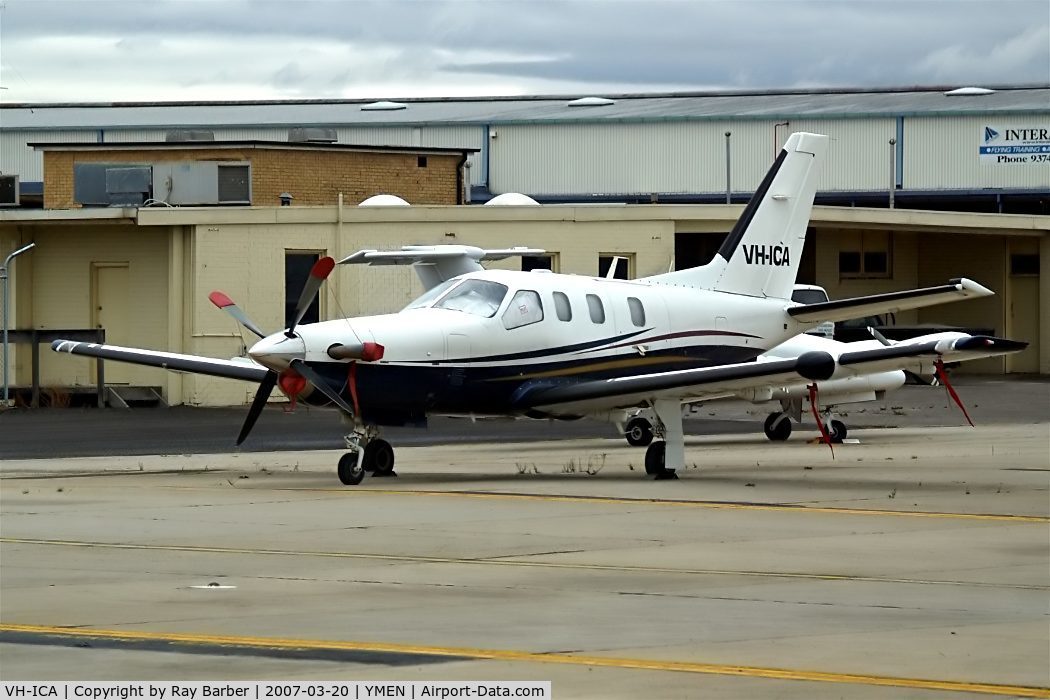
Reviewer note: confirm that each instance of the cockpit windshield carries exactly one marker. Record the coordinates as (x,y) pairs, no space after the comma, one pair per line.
(431,294)
(476,297)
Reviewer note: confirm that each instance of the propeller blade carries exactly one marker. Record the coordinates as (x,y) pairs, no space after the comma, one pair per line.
(258,403)
(226,304)
(318,274)
(880,337)
(321,385)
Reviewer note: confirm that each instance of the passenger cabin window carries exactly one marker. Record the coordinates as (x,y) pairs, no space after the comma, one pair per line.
(524,309)
(476,297)
(562,306)
(637,311)
(594,305)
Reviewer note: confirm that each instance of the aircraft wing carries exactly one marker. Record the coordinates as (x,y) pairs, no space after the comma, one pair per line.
(685,385)
(708,383)
(845,309)
(246,370)
(918,354)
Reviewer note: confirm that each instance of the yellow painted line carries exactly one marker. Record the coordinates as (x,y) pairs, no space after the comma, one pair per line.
(535,657)
(680,503)
(419,559)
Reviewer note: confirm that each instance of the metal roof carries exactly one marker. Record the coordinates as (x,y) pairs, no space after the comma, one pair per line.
(813,104)
(252,144)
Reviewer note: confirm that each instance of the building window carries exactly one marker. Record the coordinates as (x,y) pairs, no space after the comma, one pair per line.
(421,161)
(597,309)
(539,262)
(562,306)
(235,184)
(637,311)
(868,255)
(524,309)
(297,267)
(1025,264)
(623,263)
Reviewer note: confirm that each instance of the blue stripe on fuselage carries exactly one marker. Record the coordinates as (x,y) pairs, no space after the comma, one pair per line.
(399,394)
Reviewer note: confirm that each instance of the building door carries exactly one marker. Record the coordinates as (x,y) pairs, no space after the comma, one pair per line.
(1024,310)
(111,310)
(297,266)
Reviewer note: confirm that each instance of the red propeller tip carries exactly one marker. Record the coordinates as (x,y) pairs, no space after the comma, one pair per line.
(221,300)
(322,268)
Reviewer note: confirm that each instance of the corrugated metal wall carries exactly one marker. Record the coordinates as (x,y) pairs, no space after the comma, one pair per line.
(677,157)
(685,157)
(943,153)
(19,159)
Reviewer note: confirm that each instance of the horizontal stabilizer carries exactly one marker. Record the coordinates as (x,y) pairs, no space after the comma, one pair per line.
(230,369)
(844,309)
(437,263)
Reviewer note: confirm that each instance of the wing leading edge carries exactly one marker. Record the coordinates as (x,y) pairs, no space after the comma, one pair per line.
(245,370)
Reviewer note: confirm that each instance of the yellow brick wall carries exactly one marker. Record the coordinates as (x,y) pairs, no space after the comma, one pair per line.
(312,176)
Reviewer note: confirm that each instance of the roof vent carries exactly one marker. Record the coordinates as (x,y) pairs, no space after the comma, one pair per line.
(383,106)
(963,91)
(312,134)
(591,102)
(180,135)
(384,200)
(512,199)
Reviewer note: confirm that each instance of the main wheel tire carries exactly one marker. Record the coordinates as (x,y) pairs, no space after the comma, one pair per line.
(379,455)
(349,472)
(777,431)
(639,432)
(837,431)
(654,458)
(654,461)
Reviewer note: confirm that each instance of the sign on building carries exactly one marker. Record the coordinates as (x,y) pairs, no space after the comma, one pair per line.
(1015,144)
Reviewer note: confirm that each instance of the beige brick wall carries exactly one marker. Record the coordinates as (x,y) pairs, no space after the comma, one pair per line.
(314,177)
(61,295)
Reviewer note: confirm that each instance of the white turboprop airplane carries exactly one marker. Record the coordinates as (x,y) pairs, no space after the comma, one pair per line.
(503,343)
(853,388)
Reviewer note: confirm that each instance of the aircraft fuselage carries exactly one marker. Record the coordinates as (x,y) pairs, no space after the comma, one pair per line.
(478,356)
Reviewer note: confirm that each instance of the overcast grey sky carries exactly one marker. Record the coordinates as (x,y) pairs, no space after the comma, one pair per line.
(107,50)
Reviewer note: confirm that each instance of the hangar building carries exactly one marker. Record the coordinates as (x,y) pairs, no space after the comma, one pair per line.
(123,201)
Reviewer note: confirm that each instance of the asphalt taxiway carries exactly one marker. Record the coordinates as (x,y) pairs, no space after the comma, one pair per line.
(913,563)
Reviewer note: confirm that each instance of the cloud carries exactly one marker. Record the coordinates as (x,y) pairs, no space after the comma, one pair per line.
(1020,55)
(262,49)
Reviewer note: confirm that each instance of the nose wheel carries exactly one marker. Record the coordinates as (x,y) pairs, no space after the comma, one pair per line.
(350,472)
(368,454)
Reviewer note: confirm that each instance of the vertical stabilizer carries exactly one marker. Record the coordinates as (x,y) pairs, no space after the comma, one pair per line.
(760,256)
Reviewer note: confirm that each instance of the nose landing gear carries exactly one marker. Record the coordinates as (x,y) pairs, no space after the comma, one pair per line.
(368,453)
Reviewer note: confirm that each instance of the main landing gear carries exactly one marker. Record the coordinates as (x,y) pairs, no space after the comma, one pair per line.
(639,432)
(778,426)
(368,453)
(666,455)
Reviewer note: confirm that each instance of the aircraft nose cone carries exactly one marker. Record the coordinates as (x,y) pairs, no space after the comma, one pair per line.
(278,350)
